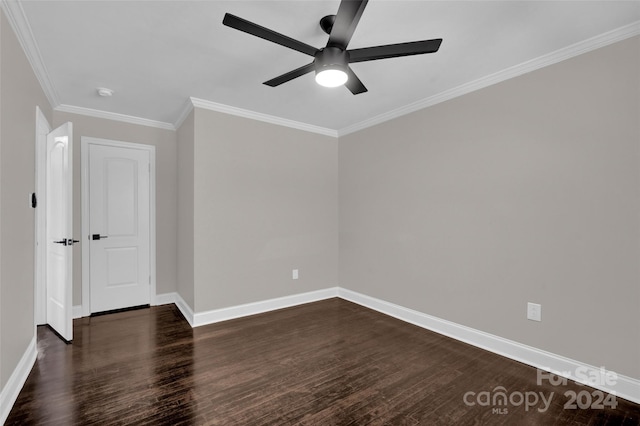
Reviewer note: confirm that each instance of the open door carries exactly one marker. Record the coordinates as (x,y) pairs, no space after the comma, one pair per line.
(59,228)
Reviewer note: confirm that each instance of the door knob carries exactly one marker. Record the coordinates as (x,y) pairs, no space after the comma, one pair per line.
(63,242)
(98,237)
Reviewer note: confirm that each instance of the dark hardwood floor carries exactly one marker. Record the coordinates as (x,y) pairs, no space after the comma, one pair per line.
(325,363)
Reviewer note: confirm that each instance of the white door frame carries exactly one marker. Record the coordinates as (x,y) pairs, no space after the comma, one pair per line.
(85,142)
(42,130)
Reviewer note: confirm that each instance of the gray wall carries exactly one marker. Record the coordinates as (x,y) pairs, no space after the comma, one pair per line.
(19,96)
(185,210)
(525,191)
(265,202)
(166,191)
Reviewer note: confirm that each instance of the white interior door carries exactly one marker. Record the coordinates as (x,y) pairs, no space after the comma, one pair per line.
(119,227)
(59,220)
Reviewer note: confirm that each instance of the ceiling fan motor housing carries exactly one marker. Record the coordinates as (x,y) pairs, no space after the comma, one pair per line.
(331,58)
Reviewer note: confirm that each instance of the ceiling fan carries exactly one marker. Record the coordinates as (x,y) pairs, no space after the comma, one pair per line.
(331,63)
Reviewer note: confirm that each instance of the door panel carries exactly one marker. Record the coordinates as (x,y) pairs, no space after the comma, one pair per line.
(121,266)
(119,216)
(59,219)
(121,203)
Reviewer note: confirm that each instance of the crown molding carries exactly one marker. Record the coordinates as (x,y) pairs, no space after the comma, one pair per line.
(213,106)
(17,18)
(184,113)
(18,21)
(559,55)
(114,116)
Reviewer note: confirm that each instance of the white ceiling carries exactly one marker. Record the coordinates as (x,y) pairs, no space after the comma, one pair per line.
(156,55)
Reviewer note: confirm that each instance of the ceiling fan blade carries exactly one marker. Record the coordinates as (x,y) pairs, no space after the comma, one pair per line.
(290,75)
(347,19)
(354,84)
(267,34)
(394,50)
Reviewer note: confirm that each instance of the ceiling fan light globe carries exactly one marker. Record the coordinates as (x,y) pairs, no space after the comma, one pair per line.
(331,77)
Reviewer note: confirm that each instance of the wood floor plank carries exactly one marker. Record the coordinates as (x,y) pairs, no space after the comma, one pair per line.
(325,363)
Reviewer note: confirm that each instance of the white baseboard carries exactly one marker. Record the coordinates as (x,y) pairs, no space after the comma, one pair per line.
(624,387)
(165,298)
(174,297)
(77,312)
(15,383)
(224,314)
(159,299)
(185,309)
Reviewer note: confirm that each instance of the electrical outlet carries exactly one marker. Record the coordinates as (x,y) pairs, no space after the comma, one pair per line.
(534,311)
(294,274)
